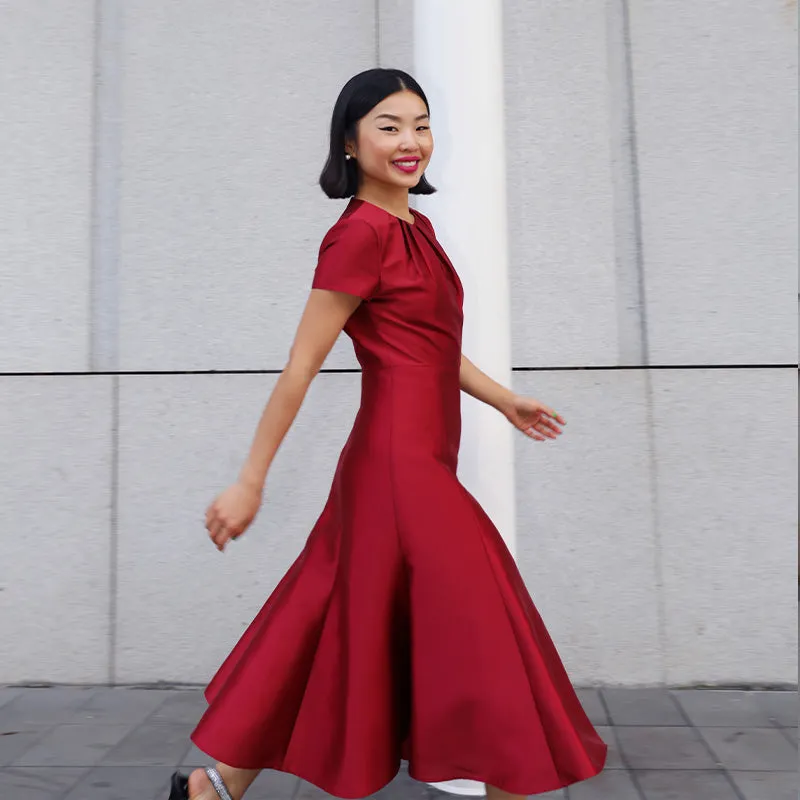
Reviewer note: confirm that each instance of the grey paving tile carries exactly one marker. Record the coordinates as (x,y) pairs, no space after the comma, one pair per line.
(14,743)
(195,757)
(122,783)
(782,708)
(307,791)
(164,790)
(41,783)
(593,706)
(679,784)
(35,709)
(751,749)
(119,705)
(790,734)
(273,785)
(404,787)
(123,742)
(722,708)
(614,760)
(665,748)
(150,745)
(180,705)
(73,746)
(642,707)
(767,785)
(8,693)
(617,785)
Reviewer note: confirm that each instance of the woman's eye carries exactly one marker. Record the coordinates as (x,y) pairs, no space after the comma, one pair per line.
(423,128)
(389,128)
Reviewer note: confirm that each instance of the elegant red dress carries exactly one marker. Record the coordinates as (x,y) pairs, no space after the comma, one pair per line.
(403,630)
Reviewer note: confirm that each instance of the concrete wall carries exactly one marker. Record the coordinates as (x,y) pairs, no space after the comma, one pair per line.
(653,207)
(164,219)
(46,98)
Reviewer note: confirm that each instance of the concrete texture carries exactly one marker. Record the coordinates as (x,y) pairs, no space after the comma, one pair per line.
(659,532)
(586,542)
(715,88)
(725,461)
(46,102)
(56,496)
(560,194)
(395,34)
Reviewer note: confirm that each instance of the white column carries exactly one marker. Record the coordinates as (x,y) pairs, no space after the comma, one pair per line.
(458,60)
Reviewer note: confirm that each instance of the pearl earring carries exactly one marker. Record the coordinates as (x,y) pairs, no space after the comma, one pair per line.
(347,156)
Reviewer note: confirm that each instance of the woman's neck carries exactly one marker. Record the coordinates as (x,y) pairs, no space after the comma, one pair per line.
(393,200)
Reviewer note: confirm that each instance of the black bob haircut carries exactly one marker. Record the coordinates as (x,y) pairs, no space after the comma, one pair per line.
(358,97)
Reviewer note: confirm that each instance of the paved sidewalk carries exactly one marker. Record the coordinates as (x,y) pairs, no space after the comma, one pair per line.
(123,743)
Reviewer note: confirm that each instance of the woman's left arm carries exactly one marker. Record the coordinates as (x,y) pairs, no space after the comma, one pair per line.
(480,386)
(530,416)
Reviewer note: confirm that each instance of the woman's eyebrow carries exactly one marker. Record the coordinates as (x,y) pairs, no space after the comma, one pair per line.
(395,118)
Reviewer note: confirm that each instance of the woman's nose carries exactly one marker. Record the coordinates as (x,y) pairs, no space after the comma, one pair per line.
(408,140)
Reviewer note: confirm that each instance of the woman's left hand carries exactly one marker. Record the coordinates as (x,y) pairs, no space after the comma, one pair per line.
(534,419)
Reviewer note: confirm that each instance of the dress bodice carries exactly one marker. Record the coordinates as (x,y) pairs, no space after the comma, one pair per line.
(413,309)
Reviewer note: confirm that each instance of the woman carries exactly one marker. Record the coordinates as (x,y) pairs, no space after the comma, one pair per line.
(403,630)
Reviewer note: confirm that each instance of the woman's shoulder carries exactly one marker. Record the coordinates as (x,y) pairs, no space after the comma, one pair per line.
(355,231)
(359,221)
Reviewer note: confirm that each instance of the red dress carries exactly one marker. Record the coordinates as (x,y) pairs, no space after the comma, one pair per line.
(403,629)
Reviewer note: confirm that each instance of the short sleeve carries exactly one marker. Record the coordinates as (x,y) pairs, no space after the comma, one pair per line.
(349,259)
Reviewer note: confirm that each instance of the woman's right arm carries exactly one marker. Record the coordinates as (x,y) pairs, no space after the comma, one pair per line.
(323,318)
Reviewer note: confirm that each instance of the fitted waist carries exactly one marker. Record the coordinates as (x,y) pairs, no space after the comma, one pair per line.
(413,409)
(381,366)
(408,379)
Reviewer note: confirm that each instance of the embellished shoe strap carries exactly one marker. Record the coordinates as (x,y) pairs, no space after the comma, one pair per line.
(219,785)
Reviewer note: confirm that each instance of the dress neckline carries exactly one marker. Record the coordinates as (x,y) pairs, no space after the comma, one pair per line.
(380,208)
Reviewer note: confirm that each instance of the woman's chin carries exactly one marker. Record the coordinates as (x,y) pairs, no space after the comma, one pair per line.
(408,180)
(400,181)
(395,178)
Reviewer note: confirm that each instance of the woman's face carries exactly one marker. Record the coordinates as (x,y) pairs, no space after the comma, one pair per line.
(393,141)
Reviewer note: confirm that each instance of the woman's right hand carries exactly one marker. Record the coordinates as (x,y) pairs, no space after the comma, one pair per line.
(230,515)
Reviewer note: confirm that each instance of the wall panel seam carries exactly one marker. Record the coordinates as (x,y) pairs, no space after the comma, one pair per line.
(633,345)
(113,566)
(105,180)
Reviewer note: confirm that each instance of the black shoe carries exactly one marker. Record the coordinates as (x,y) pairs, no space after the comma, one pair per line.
(179,788)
